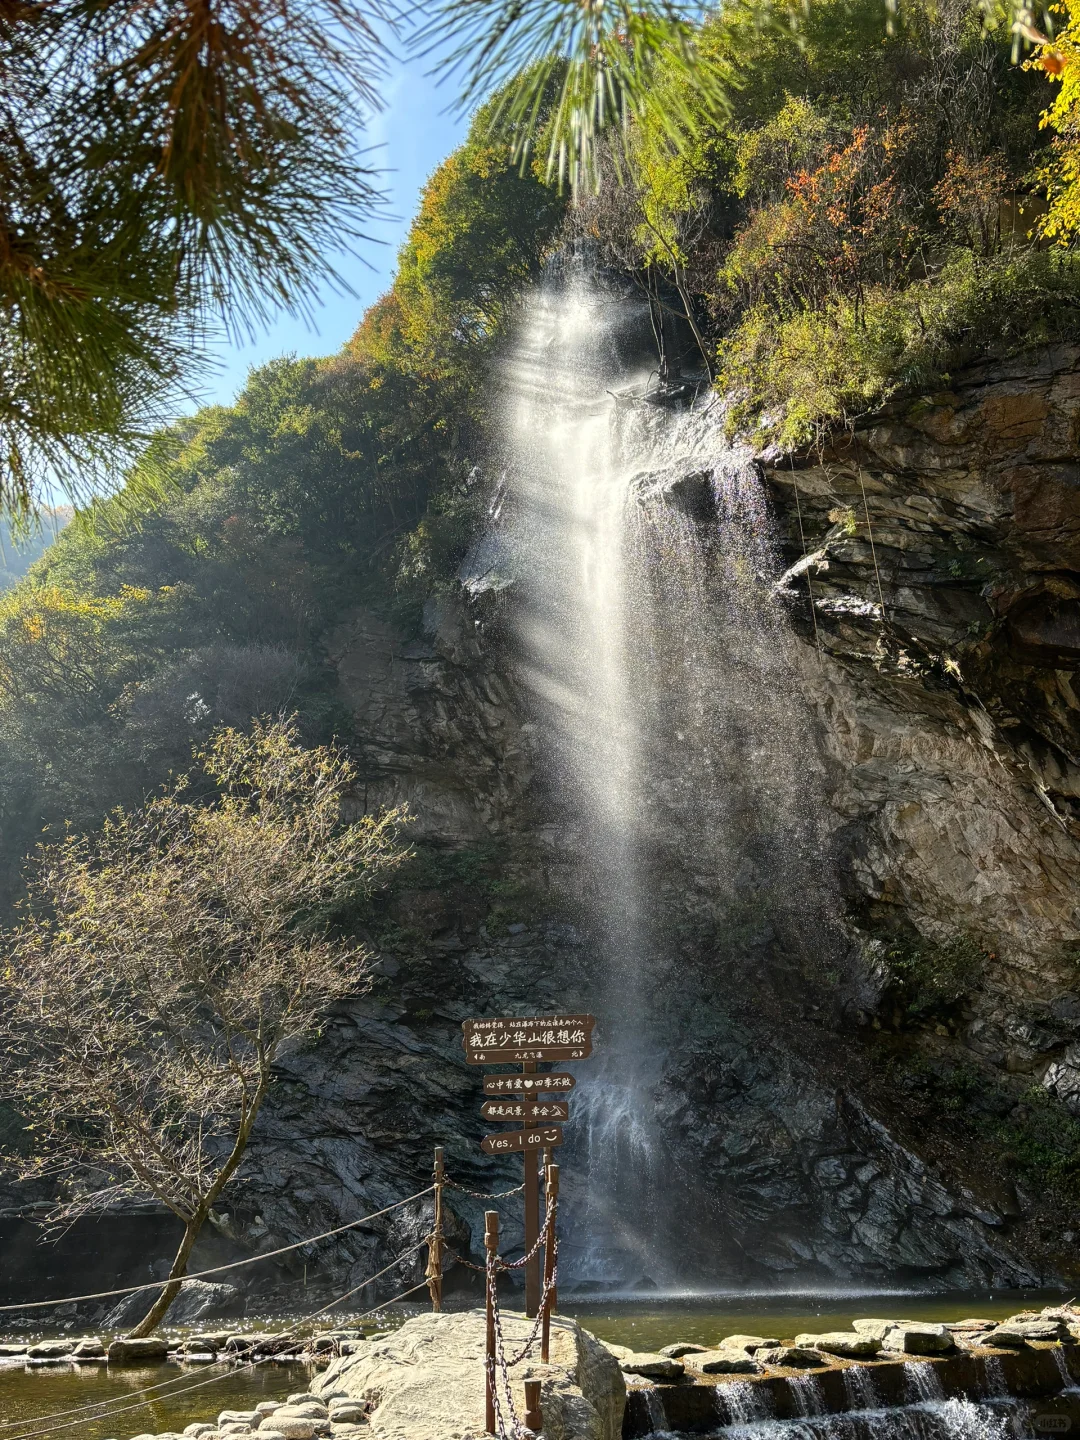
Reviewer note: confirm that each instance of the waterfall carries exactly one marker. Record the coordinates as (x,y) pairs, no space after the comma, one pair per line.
(859,1388)
(924,1383)
(941,1420)
(676,754)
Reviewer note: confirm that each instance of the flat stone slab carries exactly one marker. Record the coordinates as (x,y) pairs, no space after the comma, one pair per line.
(907,1337)
(426,1380)
(849,1343)
(793,1356)
(722,1362)
(651,1366)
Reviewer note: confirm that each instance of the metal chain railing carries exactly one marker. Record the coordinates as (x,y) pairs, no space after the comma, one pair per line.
(484,1194)
(509,1425)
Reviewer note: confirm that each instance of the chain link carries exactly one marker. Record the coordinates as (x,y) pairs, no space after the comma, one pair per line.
(484,1194)
(511,1426)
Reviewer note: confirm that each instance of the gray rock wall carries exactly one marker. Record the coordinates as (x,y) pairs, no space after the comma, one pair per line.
(947,735)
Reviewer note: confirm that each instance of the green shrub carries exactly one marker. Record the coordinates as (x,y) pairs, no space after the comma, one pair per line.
(794,375)
(929,979)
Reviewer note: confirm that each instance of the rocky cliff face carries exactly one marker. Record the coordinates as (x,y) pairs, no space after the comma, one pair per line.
(817,1121)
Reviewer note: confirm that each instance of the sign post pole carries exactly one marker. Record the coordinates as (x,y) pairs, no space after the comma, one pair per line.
(552,1176)
(434,1265)
(534,1418)
(532,1219)
(491,1245)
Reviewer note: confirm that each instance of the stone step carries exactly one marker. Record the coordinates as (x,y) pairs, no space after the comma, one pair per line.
(699,1405)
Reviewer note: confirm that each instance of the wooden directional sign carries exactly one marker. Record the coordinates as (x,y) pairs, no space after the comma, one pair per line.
(509,1140)
(554,1082)
(544,1112)
(543,1037)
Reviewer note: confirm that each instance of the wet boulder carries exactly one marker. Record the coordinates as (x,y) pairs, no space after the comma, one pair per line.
(127,1351)
(794,1356)
(651,1366)
(51,1350)
(679,1349)
(1016,1331)
(851,1344)
(917,1337)
(749,1343)
(89,1349)
(722,1362)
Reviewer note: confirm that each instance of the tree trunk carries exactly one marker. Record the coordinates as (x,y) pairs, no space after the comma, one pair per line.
(153,1319)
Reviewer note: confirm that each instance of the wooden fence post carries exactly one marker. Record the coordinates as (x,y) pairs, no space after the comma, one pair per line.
(491,1245)
(532,1218)
(534,1418)
(549,1261)
(435,1244)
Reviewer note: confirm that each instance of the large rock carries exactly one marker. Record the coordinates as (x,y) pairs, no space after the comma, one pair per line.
(426,1381)
(197,1300)
(793,1356)
(651,1366)
(722,1362)
(848,1343)
(1017,1332)
(908,1337)
(127,1351)
(51,1350)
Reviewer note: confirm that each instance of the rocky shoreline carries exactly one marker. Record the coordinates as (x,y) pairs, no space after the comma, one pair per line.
(424,1381)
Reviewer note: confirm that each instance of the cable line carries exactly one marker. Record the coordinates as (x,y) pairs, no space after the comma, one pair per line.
(217,1269)
(107,1414)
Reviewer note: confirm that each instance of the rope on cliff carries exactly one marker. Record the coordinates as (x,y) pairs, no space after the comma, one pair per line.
(802,541)
(873,548)
(217,1269)
(161,1390)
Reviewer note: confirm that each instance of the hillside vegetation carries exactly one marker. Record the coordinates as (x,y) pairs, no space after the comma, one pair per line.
(863,218)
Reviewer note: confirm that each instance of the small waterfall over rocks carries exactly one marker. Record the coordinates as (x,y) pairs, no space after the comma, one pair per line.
(676,751)
(945,1420)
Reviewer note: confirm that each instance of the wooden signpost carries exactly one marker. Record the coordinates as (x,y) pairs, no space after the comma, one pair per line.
(551,1083)
(507,1141)
(528,1042)
(547,1037)
(530,1112)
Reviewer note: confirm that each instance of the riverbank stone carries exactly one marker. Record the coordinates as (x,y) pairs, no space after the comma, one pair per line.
(849,1343)
(129,1351)
(50,1350)
(88,1349)
(425,1381)
(292,1429)
(679,1349)
(907,1337)
(651,1366)
(748,1342)
(1017,1331)
(795,1357)
(722,1362)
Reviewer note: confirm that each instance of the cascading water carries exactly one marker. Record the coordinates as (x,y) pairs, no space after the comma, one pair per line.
(657,657)
(945,1420)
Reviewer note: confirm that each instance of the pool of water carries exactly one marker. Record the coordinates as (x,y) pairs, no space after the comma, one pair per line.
(62,1402)
(648,1322)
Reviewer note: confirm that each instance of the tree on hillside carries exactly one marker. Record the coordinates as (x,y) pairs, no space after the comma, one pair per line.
(175,165)
(166,960)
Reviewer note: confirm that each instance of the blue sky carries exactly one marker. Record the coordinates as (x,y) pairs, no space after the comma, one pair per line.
(416,130)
